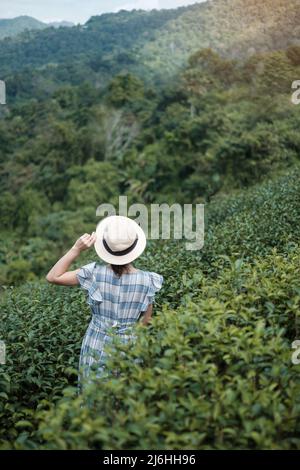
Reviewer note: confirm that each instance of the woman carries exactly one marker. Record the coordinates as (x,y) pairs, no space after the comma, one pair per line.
(119,295)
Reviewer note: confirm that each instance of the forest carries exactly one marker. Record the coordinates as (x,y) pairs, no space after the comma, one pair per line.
(103,110)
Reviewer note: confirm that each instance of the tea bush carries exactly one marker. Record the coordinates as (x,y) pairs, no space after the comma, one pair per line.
(246,224)
(216,373)
(42,327)
(216,369)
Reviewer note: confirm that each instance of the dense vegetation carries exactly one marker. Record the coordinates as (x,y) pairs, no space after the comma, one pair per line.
(233,28)
(223,125)
(80,130)
(38,61)
(223,332)
(153,45)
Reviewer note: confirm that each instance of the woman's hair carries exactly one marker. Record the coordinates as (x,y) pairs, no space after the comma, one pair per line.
(119,269)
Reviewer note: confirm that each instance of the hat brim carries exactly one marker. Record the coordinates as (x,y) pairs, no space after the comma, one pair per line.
(114,259)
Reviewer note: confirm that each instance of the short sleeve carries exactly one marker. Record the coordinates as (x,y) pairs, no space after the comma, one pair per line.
(155,284)
(85,275)
(87,280)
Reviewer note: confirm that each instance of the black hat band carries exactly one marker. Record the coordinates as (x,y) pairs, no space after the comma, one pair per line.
(120,253)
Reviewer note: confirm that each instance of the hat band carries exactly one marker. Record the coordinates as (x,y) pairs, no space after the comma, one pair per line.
(120,253)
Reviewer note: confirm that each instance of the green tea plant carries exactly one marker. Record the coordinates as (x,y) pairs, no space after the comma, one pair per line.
(216,366)
(216,373)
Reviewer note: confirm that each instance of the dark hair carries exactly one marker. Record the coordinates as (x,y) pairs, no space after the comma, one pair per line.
(119,269)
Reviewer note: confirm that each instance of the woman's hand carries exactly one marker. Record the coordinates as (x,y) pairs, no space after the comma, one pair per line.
(84,242)
(59,274)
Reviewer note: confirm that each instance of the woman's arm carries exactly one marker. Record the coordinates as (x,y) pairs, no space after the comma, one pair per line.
(59,274)
(147,315)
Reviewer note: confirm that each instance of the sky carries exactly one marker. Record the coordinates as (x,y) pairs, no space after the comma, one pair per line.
(79,11)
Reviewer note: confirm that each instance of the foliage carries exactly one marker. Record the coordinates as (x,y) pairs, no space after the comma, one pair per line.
(223,329)
(235,29)
(216,372)
(42,328)
(161,106)
(154,44)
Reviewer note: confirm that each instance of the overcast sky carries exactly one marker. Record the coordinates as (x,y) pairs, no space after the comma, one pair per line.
(79,11)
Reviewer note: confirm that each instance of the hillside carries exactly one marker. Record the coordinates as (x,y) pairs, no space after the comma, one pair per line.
(101,36)
(223,126)
(234,28)
(216,368)
(15,26)
(154,44)
(20,24)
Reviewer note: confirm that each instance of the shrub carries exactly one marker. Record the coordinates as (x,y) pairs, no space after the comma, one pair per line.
(216,373)
(42,327)
(216,366)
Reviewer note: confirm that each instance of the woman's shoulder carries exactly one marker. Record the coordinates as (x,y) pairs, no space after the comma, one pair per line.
(91,268)
(153,278)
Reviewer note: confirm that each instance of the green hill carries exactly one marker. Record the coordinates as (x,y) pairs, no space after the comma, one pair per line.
(15,26)
(20,24)
(234,28)
(152,44)
(110,33)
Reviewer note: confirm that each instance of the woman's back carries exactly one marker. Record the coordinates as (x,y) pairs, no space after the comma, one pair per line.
(116,304)
(118,298)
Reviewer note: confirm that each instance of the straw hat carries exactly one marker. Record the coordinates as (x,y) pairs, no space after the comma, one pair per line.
(119,240)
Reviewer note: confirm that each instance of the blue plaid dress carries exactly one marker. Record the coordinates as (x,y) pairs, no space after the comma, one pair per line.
(116,305)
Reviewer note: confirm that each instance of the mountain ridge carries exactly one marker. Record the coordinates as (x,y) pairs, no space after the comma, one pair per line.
(10,27)
(154,44)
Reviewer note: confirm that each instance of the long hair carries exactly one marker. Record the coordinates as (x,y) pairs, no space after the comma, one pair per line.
(119,269)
